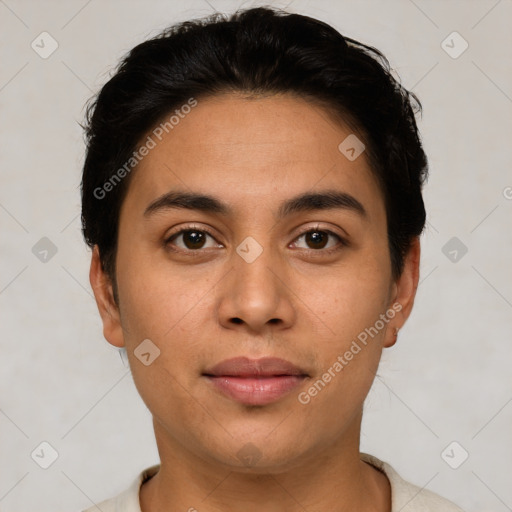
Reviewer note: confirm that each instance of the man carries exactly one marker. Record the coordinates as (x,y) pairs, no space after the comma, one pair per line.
(252,195)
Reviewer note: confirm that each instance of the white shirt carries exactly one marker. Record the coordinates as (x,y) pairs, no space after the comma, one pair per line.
(405,497)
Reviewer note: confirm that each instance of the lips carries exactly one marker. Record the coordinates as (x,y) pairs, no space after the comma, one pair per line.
(245,367)
(255,381)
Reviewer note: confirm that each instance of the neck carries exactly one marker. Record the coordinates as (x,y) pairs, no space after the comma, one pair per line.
(335,479)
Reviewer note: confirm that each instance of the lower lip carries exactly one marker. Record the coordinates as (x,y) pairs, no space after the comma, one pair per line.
(256,391)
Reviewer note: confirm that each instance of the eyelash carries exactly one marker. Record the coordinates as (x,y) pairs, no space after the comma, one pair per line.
(342,242)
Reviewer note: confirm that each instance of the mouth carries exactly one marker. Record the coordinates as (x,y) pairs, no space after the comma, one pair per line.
(255,381)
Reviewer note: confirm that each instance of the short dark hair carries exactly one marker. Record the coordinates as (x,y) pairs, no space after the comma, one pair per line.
(258,51)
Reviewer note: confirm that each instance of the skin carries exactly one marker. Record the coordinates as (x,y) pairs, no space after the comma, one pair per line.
(296,301)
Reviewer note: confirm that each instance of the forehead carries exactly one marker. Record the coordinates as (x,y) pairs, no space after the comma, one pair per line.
(256,149)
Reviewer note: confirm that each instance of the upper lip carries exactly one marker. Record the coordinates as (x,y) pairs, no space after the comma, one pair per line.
(246,367)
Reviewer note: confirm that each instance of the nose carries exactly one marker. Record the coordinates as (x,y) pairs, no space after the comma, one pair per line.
(255,295)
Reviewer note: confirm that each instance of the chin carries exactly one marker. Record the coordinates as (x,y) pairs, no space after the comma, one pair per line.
(261,449)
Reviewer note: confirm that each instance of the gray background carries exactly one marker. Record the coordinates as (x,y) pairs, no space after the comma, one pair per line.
(447,379)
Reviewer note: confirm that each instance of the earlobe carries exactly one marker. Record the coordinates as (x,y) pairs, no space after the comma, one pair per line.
(392,337)
(103,293)
(404,292)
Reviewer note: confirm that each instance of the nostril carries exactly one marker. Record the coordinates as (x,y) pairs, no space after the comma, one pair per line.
(237,320)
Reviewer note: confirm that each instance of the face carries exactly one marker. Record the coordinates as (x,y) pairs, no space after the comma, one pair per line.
(285,264)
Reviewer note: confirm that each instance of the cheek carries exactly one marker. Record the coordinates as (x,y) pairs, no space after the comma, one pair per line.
(162,308)
(158,299)
(171,398)
(352,298)
(351,304)
(348,358)
(162,304)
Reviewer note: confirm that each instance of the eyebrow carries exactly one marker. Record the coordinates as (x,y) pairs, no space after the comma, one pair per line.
(308,201)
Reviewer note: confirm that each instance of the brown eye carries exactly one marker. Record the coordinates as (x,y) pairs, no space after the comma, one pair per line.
(190,240)
(316,240)
(193,239)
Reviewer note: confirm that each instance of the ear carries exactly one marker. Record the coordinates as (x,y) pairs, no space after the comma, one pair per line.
(403,292)
(104,295)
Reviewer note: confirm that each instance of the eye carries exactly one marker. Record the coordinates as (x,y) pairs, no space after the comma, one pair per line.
(317,239)
(194,239)
(191,239)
